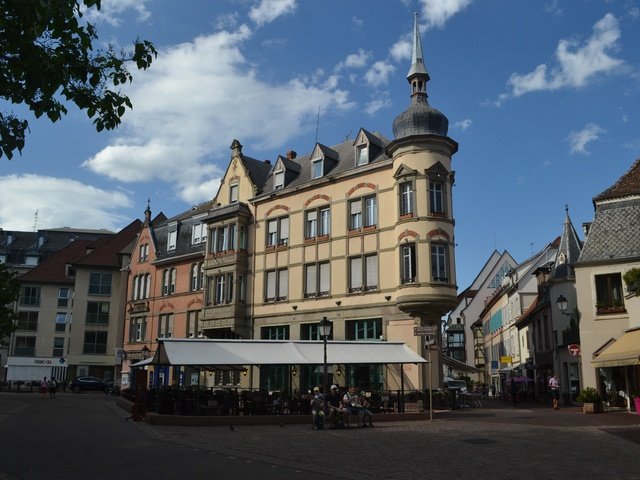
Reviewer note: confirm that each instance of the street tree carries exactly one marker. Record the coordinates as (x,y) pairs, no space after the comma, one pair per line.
(9,291)
(47,59)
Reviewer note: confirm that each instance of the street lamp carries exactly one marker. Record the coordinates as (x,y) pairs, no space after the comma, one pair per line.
(562,304)
(324,329)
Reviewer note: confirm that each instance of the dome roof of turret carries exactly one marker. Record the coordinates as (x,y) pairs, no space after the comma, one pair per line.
(420,119)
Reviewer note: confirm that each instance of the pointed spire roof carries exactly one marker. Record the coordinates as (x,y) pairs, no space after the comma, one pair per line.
(420,118)
(417,60)
(568,250)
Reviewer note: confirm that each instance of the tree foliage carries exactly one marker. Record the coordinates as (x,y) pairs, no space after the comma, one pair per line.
(9,291)
(47,58)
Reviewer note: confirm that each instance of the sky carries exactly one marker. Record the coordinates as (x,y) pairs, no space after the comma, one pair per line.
(543,98)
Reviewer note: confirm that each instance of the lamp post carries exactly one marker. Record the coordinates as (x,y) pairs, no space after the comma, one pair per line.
(324,329)
(574,318)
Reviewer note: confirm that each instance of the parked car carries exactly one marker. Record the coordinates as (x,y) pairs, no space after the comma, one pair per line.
(85,384)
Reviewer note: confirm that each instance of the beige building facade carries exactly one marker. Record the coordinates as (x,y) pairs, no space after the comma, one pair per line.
(361,233)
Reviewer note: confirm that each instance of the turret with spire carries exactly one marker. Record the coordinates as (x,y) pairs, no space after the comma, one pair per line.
(420,118)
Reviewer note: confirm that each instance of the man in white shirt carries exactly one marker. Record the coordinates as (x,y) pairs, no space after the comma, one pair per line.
(554,387)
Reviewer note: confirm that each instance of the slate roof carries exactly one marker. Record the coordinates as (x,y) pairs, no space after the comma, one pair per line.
(53,269)
(43,243)
(614,233)
(615,230)
(258,171)
(343,159)
(185,222)
(570,247)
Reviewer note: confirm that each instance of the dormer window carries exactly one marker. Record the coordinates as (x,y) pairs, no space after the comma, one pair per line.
(233,193)
(362,154)
(278,179)
(172,239)
(317,168)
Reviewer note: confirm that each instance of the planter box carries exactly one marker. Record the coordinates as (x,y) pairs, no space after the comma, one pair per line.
(591,408)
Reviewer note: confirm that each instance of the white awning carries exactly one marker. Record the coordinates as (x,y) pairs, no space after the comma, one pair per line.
(206,352)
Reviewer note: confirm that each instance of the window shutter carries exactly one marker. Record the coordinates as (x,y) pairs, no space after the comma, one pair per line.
(284,229)
(271,284)
(356,273)
(310,282)
(283,284)
(372,271)
(324,277)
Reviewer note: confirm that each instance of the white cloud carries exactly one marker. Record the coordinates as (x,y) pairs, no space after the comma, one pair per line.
(463,124)
(268,10)
(379,73)
(357,22)
(401,50)
(205,105)
(355,60)
(111,11)
(576,65)
(227,21)
(373,106)
(60,202)
(437,12)
(578,140)
(553,7)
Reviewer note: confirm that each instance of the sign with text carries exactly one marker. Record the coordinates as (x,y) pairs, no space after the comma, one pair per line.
(425,330)
(505,359)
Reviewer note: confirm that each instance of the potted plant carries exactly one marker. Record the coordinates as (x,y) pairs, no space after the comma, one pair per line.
(590,399)
(632,278)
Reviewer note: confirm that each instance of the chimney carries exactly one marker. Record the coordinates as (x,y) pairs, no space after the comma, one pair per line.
(291,154)
(267,162)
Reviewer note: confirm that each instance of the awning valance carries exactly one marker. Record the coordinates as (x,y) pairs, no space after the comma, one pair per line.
(624,351)
(206,352)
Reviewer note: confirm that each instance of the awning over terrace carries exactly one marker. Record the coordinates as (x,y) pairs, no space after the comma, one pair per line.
(238,353)
(624,351)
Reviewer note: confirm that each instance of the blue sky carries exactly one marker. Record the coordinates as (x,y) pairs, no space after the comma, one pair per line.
(542,97)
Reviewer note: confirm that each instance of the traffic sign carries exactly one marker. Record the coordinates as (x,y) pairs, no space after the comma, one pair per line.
(574,349)
(425,330)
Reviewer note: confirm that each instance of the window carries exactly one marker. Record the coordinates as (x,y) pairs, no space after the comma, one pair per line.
(356,209)
(95,342)
(439,269)
(406,198)
(31,260)
(197,276)
(61,322)
(27,321)
(278,180)
(25,347)
(168,281)
(436,197)
(144,253)
(58,346)
(172,239)
(30,296)
(138,329)
(233,193)
(198,233)
(362,154)
(165,325)
(226,377)
(317,280)
(63,297)
(100,284)
(280,332)
(408,263)
(276,285)
(310,331)
(369,329)
(317,222)
(278,231)
(193,323)
(223,238)
(363,273)
(224,288)
(316,168)
(97,313)
(609,294)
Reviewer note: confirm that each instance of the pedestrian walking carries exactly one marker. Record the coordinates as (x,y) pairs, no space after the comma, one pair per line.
(514,392)
(43,387)
(53,387)
(554,388)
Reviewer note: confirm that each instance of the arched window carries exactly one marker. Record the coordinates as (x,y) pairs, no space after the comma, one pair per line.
(172,285)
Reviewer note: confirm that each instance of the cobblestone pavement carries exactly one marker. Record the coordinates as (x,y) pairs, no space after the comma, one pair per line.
(494,443)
